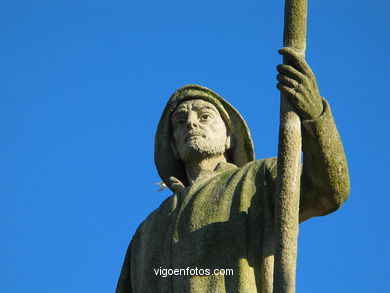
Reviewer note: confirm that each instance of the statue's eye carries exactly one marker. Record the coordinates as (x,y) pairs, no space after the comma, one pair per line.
(180,121)
(205,117)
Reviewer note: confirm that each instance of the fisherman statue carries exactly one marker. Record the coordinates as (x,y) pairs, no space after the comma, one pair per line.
(222,211)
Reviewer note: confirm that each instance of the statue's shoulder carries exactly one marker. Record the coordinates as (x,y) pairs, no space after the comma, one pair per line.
(257,171)
(266,165)
(262,171)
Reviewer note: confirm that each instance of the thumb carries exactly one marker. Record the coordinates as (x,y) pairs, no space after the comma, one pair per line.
(177,185)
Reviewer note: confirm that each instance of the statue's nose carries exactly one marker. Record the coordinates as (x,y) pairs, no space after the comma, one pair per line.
(192,122)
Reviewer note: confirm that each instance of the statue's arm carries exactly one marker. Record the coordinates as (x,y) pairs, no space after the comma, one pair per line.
(124,282)
(325,178)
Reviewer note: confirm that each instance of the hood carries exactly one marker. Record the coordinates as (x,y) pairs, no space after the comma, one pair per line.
(239,154)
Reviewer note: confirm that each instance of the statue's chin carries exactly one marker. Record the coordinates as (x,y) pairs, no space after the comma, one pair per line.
(195,150)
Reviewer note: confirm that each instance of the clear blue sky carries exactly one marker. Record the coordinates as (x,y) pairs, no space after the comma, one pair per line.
(82,87)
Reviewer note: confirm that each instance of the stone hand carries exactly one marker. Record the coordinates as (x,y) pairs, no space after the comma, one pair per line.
(298,83)
(177,186)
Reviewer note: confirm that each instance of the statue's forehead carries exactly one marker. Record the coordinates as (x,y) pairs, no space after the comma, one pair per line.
(195,105)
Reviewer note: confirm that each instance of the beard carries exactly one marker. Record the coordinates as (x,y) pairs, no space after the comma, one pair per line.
(198,148)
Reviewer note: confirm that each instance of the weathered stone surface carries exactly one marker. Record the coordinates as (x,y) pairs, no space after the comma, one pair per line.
(221,215)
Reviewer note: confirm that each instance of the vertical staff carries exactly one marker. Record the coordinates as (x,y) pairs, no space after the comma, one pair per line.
(289,162)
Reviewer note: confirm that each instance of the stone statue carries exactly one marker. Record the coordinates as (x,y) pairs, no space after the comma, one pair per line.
(221,215)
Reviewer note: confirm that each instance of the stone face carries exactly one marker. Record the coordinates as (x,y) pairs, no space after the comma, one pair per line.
(198,131)
(221,213)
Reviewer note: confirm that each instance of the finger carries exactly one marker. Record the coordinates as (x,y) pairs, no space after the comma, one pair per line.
(283,79)
(287,90)
(295,59)
(296,86)
(175,181)
(293,73)
(292,92)
(295,97)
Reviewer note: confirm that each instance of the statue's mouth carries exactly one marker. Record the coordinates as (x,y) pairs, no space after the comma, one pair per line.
(193,136)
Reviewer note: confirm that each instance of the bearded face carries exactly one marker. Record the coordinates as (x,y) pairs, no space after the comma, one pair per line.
(198,131)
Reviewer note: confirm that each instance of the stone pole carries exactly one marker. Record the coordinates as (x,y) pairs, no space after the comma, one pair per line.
(289,162)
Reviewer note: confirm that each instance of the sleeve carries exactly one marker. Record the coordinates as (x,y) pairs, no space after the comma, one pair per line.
(325,179)
(124,282)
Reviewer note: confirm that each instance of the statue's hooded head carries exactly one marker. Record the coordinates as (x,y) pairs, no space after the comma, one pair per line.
(167,162)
